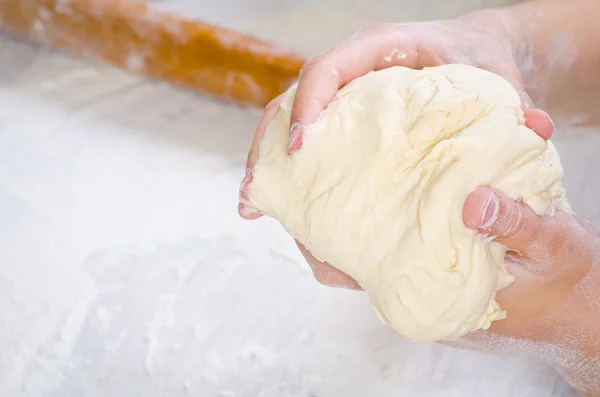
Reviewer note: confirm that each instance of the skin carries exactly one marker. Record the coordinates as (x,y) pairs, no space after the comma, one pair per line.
(554,304)
(556,46)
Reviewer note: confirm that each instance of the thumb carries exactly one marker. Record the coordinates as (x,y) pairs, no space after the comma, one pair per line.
(513,223)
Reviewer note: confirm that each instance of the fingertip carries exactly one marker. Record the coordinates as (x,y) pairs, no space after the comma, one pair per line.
(510,222)
(245,210)
(245,185)
(480,209)
(539,122)
(296,137)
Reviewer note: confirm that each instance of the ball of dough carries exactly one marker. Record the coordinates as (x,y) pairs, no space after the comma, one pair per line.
(378,188)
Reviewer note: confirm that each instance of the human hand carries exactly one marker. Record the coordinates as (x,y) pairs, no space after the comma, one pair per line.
(554,304)
(475,39)
(549,304)
(479,40)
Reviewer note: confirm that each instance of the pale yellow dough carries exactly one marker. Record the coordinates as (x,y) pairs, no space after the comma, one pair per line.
(378,188)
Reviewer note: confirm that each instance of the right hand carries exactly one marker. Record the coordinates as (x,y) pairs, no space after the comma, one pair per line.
(553,310)
(480,39)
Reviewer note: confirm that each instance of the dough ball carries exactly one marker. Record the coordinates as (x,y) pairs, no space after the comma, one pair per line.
(378,188)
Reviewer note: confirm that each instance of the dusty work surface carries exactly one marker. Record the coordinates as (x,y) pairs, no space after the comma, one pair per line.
(125,271)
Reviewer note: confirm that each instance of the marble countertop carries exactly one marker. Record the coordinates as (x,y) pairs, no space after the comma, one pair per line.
(125,270)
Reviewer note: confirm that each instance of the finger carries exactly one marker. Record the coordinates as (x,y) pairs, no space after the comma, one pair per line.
(245,208)
(512,223)
(327,274)
(539,122)
(320,79)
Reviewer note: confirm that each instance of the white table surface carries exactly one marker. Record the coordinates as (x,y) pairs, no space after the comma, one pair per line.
(125,270)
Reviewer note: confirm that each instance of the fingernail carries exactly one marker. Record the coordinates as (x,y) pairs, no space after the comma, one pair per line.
(242,195)
(490,212)
(246,209)
(295,137)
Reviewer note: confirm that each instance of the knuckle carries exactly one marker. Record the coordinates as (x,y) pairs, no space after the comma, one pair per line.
(515,221)
(520,225)
(537,235)
(561,238)
(315,63)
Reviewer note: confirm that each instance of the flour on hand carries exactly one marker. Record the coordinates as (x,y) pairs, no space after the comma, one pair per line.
(378,188)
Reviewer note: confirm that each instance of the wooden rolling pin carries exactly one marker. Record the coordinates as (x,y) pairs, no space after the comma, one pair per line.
(132,35)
